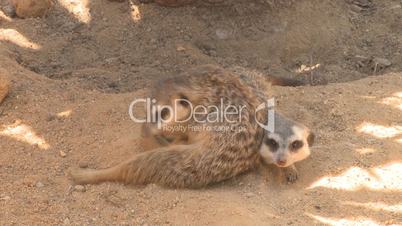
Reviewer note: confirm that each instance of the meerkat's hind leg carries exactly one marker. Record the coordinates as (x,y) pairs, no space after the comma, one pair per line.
(291,173)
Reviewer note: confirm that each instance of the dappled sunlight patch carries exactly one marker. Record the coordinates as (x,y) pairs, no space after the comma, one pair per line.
(395,100)
(3,16)
(379,131)
(304,68)
(377,206)
(24,133)
(344,221)
(399,140)
(381,178)
(13,36)
(369,97)
(135,12)
(79,8)
(365,151)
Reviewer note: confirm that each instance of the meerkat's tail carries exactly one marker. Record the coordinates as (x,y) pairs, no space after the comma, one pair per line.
(95,176)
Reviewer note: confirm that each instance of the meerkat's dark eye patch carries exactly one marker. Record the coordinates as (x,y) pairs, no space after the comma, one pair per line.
(184,101)
(296,145)
(165,113)
(272,144)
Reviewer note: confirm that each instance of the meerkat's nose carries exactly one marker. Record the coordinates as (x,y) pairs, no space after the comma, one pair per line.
(281,162)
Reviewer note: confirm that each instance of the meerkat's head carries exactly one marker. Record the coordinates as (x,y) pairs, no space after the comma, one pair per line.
(172,102)
(290,142)
(175,97)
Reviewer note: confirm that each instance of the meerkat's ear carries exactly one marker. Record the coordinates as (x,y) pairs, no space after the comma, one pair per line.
(310,139)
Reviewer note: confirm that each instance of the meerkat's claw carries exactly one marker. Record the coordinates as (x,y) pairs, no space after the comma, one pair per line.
(291,174)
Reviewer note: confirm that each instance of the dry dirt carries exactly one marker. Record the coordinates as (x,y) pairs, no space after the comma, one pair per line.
(74,73)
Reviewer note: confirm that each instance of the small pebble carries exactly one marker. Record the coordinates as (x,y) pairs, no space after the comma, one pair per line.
(5,198)
(63,154)
(66,221)
(180,49)
(222,34)
(317,207)
(39,184)
(382,62)
(83,165)
(80,188)
(249,194)
(9,10)
(31,8)
(50,117)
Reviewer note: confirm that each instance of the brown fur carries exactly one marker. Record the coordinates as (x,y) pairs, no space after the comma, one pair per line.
(215,156)
(154,138)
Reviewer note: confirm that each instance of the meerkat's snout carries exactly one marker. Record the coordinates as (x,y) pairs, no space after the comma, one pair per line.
(285,152)
(281,162)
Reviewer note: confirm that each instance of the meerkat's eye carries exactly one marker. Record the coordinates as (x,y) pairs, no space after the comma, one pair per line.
(296,145)
(164,113)
(273,145)
(184,100)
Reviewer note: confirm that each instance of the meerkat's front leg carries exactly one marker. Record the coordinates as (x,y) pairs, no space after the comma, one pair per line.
(291,174)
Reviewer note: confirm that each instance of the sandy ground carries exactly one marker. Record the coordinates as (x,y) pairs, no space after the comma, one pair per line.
(74,73)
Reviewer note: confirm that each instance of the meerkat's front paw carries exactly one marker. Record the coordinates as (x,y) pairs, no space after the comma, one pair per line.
(291,174)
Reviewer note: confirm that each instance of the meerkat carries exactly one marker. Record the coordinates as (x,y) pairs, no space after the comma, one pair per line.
(212,156)
(288,143)
(293,139)
(217,156)
(153,138)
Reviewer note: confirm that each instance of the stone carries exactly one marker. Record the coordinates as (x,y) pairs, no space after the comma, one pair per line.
(63,154)
(80,188)
(180,49)
(249,195)
(9,10)
(39,184)
(83,164)
(66,221)
(31,8)
(5,197)
(222,34)
(382,62)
